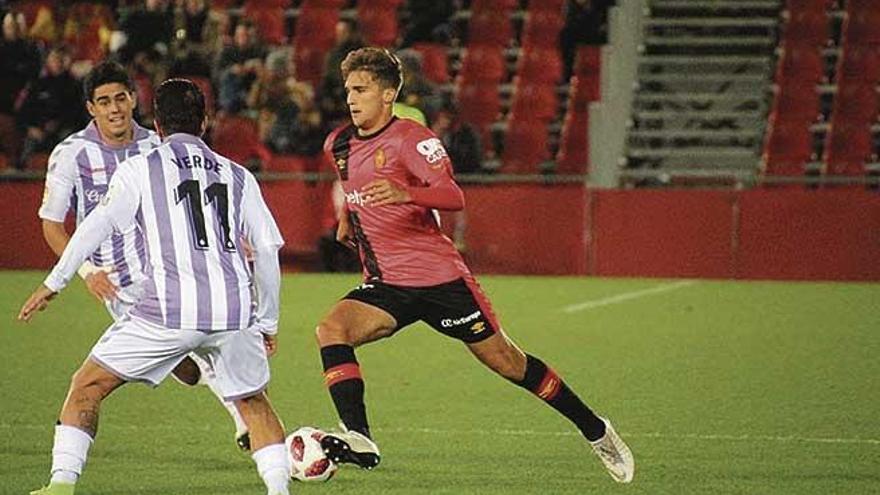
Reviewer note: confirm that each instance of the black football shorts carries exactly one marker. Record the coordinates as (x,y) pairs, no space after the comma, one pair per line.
(458,309)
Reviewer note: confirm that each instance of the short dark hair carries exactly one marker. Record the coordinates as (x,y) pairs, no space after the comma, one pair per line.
(179,106)
(106,72)
(383,64)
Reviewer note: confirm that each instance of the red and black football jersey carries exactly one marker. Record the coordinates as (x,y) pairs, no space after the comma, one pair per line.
(399,244)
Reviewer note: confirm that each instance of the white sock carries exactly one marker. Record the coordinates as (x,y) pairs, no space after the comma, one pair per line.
(69,453)
(273,468)
(209,379)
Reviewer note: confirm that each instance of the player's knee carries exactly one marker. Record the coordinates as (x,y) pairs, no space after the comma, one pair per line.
(330,332)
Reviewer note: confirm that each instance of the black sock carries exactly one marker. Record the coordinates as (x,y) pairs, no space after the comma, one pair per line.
(549,387)
(342,375)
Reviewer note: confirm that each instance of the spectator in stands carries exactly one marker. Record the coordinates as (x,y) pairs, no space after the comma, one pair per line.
(190,17)
(288,119)
(238,67)
(52,108)
(331,90)
(417,90)
(215,33)
(147,29)
(586,23)
(461,140)
(19,65)
(428,21)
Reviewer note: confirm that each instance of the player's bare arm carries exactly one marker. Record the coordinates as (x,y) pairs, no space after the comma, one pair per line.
(97,281)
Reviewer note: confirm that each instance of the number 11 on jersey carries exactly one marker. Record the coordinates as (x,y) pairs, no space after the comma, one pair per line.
(217,194)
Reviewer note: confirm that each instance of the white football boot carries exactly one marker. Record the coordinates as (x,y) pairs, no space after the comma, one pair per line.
(350,447)
(615,455)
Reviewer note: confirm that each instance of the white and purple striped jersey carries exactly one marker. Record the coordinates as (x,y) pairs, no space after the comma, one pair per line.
(80,169)
(194,208)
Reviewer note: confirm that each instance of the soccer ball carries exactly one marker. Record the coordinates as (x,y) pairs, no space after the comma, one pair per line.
(307,459)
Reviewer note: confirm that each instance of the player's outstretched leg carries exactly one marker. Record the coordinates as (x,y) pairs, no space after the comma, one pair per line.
(501,355)
(350,323)
(78,426)
(194,370)
(342,376)
(267,441)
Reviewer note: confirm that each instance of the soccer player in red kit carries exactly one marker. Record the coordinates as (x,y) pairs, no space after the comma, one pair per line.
(395,173)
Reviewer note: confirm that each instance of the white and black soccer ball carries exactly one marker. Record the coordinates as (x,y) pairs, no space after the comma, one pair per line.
(307,459)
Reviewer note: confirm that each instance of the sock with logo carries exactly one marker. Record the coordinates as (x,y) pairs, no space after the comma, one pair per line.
(342,375)
(542,381)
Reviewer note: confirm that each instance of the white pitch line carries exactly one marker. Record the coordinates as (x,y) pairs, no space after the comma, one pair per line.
(626,296)
(504,432)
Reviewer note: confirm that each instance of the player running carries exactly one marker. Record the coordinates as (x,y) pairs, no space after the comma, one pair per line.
(80,168)
(394,173)
(193,207)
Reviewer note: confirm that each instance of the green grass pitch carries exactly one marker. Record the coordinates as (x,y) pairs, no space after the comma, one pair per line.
(719,388)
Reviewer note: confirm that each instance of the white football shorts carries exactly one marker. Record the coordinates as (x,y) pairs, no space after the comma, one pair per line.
(136,350)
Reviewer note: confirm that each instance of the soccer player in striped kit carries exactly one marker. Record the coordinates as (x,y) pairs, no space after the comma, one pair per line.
(394,172)
(193,208)
(80,168)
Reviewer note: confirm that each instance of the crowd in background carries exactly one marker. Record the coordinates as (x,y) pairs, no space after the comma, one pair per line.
(48,46)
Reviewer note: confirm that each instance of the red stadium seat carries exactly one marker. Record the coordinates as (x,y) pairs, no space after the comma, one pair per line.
(378,25)
(796,103)
(855,103)
(787,148)
(489,28)
(800,64)
(808,5)
(847,149)
(546,6)
(540,65)
(483,63)
(861,28)
(435,63)
(574,147)
(525,147)
(806,27)
(309,63)
(269,20)
(587,60)
(479,104)
(500,7)
(316,26)
(584,89)
(860,63)
(238,139)
(542,28)
(537,100)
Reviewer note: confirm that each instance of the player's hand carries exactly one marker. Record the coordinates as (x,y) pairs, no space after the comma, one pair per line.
(37,302)
(247,249)
(381,192)
(100,286)
(344,235)
(270,342)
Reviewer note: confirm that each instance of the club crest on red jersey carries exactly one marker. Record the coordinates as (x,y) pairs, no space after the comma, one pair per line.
(379,158)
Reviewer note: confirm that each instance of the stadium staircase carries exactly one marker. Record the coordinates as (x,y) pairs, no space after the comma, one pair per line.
(700,102)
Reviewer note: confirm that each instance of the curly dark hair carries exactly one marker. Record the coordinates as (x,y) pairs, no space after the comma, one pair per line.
(384,65)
